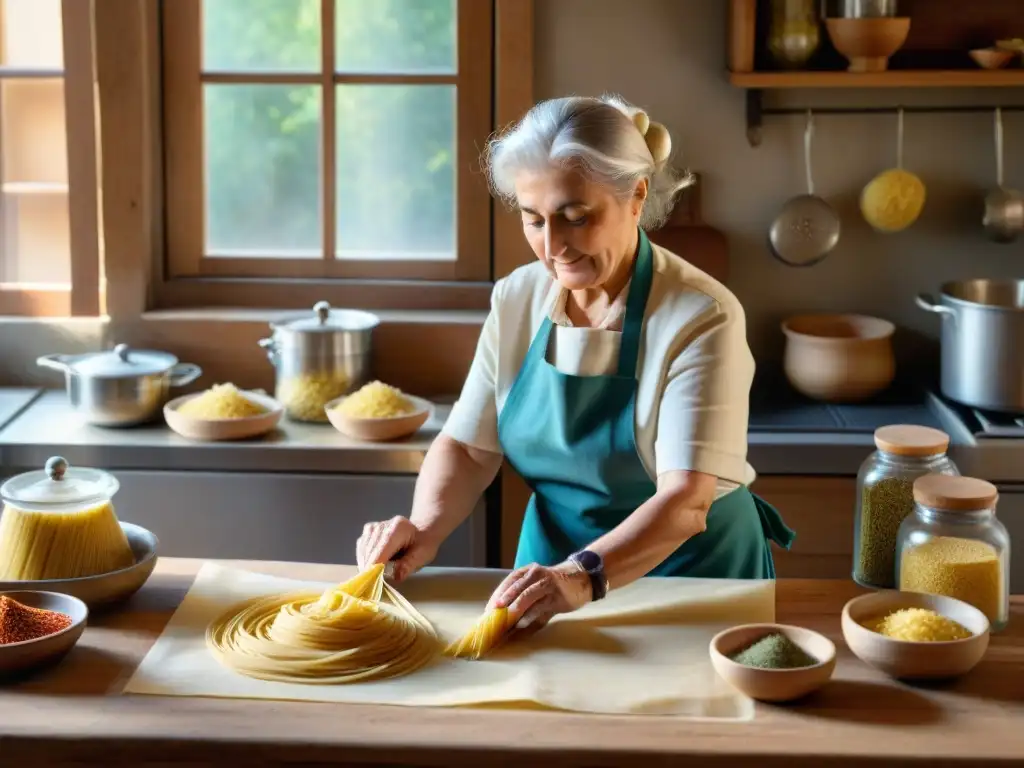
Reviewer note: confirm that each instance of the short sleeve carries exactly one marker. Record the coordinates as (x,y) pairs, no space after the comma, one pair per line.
(474,417)
(705,403)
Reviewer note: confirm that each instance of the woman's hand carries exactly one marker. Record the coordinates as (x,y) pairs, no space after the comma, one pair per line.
(382,543)
(536,593)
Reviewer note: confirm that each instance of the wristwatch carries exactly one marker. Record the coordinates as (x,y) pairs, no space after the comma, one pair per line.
(592,564)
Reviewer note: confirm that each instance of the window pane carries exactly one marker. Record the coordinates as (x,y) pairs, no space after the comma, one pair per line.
(34,134)
(396,178)
(31,34)
(261,35)
(36,244)
(388,36)
(263,170)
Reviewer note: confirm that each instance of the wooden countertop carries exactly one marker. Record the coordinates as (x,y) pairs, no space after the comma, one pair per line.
(74,713)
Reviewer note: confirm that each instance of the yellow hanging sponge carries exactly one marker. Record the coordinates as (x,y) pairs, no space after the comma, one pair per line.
(892,200)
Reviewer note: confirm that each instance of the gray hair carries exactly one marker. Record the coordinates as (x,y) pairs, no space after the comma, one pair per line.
(607,139)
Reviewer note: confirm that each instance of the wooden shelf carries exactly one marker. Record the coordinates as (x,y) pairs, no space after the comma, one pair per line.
(952,78)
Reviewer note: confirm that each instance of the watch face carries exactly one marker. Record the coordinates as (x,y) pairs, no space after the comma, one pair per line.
(589,561)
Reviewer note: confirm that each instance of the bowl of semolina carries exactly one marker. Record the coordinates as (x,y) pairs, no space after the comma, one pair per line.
(912,635)
(223,412)
(378,412)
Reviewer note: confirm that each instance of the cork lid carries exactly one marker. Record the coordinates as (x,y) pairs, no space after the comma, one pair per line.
(954,493)
(911,440)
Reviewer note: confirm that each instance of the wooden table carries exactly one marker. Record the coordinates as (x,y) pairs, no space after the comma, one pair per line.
(74,713)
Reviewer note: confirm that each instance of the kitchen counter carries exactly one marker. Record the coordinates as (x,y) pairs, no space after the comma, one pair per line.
(786,437)
(49,427)
(73,713)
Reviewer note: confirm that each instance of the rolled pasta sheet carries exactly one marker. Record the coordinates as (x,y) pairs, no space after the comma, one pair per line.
(482,638)
(360,630)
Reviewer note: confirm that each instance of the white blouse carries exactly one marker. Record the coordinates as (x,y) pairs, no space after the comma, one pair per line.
(694,370)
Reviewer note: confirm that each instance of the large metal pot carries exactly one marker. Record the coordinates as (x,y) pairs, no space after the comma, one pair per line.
(982,342)
(319,357)
(120,387)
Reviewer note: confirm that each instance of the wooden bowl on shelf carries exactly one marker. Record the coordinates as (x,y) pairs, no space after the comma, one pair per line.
(868,43)
(908,660)
(992,58)
(773,684)
(383,429)
(839,358)
(211,430)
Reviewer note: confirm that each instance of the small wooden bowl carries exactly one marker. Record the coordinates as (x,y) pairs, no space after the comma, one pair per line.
(992,58)
(24,657)
(773,684)
(208,430)
(868,43)
(378,430)
(904,659)
(839,358)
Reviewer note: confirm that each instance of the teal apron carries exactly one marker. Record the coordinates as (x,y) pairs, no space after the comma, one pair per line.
(571,438)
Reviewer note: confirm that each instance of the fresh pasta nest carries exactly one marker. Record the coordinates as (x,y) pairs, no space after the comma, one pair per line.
(221,401)
(346,634)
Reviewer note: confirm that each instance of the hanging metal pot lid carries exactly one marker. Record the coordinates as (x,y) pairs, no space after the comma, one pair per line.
(120,362)
(807,228)
(59,486)
(326,320)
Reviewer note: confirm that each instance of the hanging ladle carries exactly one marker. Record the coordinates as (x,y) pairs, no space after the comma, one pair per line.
(1004,208)
(807,228)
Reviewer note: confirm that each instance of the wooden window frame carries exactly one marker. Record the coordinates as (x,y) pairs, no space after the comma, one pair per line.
(83,297)
(192,278)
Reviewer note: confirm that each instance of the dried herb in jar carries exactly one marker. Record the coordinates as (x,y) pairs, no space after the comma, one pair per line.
(774,651)
(884,506)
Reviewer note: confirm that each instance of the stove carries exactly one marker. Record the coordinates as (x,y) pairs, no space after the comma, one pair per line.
(982,424)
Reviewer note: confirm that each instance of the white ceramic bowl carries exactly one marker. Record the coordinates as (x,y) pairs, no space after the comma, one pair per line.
(208,430)
(105,588)
(906,659)
(26,656)
(391,428)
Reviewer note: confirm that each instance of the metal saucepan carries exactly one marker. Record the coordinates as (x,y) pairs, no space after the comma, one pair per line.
(807,228)
(982,342)
(123,386)
(1004,208)
(318,357)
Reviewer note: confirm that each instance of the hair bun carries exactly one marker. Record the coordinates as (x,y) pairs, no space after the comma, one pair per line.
(659,142)
(641,121)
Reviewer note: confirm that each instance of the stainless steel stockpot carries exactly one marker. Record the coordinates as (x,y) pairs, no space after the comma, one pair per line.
(122,386)
(982,342)
(318,357)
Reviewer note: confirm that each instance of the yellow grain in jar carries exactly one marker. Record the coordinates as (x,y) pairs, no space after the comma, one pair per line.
(966,569)
(305,396)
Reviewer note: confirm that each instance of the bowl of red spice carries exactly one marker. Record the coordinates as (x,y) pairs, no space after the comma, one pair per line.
(37,628)
(773,662)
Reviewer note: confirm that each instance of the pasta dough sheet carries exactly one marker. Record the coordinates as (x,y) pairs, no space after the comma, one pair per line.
(642,651)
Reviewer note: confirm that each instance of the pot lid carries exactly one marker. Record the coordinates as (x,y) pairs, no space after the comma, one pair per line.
(58,485)
(121,361)
(326,319)
(911,440)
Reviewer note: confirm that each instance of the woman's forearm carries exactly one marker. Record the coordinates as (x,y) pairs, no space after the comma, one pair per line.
(450,483)
(656,529)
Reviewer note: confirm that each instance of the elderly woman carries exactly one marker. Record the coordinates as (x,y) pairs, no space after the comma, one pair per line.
(611,374)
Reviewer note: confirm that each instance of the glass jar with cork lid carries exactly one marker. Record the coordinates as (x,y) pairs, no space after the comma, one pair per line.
(954,545)
(885,495)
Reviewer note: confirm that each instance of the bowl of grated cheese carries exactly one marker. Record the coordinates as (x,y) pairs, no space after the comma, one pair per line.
(223,412)
(378,412)
(911,635)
